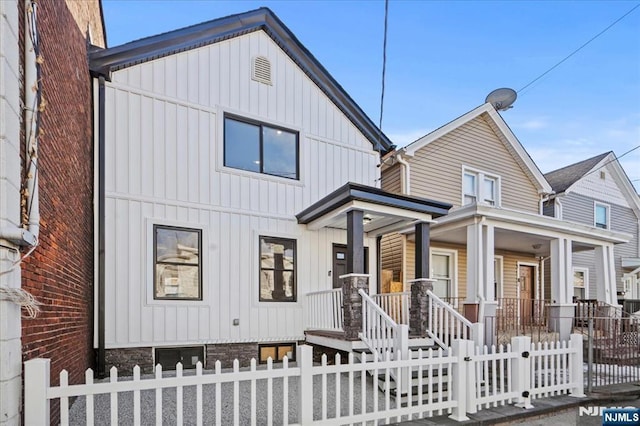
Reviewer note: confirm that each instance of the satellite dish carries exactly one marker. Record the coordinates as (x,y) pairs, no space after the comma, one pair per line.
(502,99)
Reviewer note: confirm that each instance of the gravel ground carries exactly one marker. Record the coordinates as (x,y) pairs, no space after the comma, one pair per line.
(147,402)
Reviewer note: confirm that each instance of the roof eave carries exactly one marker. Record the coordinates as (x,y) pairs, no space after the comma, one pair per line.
(102,62)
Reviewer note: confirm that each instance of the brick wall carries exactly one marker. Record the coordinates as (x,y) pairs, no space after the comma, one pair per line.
(60,272)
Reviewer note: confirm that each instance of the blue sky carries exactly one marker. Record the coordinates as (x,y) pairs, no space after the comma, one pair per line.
(444,57)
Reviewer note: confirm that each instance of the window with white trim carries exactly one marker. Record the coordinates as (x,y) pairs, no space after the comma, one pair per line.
(442,272)
(479,187)
(601,216)
(580,282)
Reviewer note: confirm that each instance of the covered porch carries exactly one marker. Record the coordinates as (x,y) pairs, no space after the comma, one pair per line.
(350,317)
(519,265)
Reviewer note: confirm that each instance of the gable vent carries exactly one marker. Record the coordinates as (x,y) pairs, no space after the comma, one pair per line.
(261,70)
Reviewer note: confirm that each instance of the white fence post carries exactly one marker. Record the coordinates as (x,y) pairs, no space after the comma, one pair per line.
(459,349)
(477,333)
(36,384)
(521,370)
(575,362)
(304,359)
(470,375)
(402,348)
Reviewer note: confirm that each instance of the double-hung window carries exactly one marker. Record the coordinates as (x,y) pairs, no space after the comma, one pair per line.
(277,269)
(601,216)
(261,148)
(177,271)
(479,187)
(442,273)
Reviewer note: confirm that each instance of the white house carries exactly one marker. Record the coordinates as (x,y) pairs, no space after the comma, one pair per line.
(234,176)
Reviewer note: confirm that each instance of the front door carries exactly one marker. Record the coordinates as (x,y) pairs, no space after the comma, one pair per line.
(526,274)
(340,263)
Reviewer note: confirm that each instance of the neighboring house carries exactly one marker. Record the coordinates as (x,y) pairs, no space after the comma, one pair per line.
(492,243)
(46,118)
(235,176)
(597,192)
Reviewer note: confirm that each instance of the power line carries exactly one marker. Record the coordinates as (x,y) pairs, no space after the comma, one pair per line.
(611,161)
(384,66)
(579,48)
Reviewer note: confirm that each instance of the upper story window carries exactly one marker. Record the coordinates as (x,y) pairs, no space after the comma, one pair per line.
(277,269)
(177,263)
(601,216)
(261,148)
(478,187)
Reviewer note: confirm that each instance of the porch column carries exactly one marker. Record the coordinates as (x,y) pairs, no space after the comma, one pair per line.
(606,290)
(480,258)
(355,242)
(561,310)
(474,262)
(352,303)
(423,269)
(561,271)
(419,306)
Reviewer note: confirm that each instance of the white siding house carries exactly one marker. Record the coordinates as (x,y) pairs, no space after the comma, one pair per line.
(210,140)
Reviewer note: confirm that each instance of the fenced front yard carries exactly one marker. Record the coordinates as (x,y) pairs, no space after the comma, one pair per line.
(460,380)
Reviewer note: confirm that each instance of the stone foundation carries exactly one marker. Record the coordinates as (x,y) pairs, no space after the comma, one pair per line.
(226,353)
(319,350)
(124,359)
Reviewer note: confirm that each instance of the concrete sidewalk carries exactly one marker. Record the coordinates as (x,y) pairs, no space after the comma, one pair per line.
(559,410)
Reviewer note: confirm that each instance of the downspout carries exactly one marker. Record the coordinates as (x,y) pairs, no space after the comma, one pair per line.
(406,178)
(543,199)
(557,213)
(32,107)
(101,367)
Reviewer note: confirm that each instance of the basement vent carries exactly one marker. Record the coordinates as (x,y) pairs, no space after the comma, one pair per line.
(261,70)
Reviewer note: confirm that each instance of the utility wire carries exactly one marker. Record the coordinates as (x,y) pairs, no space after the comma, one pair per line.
(611,161)
(580,48)
(384,66)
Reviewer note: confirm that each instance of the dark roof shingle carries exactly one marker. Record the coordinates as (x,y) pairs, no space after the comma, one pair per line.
(561,179)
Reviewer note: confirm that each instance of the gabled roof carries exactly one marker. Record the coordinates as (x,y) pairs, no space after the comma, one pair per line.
(561,179)
(102,62)
(522,156)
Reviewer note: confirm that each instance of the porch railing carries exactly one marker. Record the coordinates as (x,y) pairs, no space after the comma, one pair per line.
(456,303)
(380,332)
(396,305)
(325,310)
(518,314)
(445,323)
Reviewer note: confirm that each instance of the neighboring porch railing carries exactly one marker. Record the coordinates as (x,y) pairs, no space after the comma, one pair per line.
(325,310)
(380,332)
(396,305)
(518,314)
(445,323)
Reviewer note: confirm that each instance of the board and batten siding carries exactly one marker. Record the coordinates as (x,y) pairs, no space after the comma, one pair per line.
(436,169)
(164,165)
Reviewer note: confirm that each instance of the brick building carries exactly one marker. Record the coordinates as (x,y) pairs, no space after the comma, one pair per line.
(59,272)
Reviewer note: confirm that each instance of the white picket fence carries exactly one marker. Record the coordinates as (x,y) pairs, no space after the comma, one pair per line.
(522,371)
(457,381)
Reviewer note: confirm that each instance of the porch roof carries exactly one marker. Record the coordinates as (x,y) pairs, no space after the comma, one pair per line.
(384,212)
(523,232)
